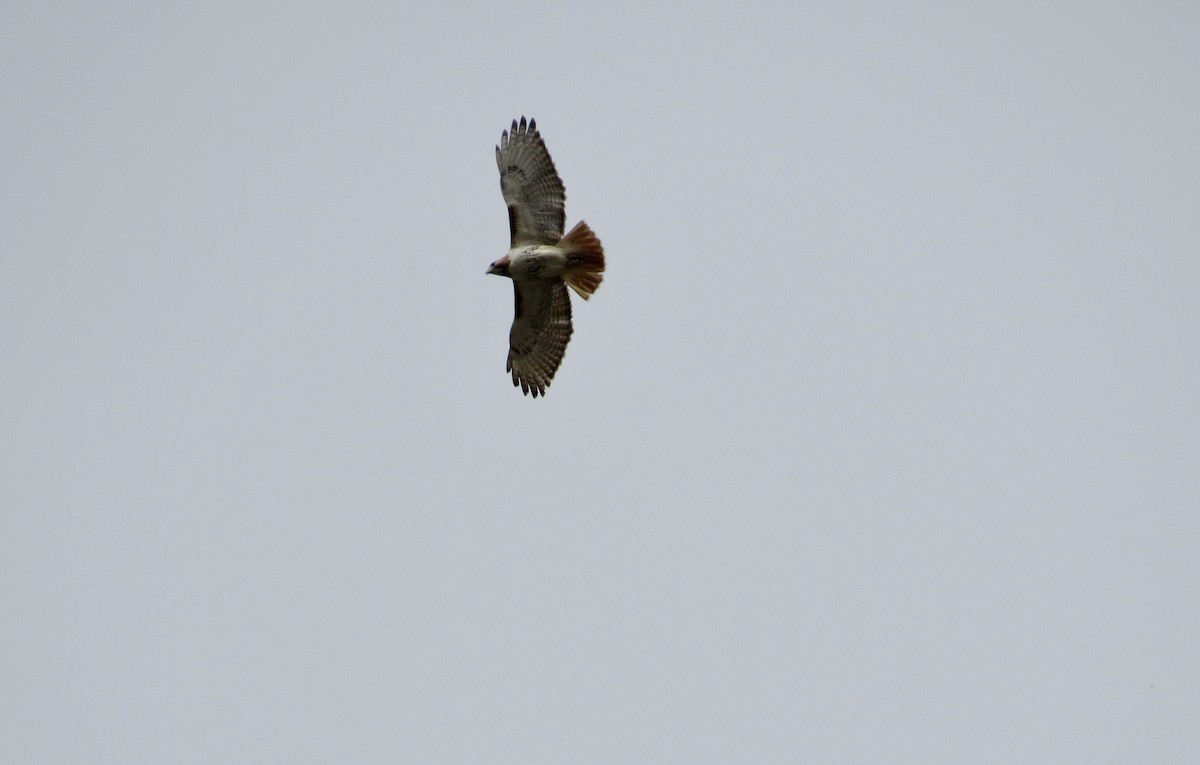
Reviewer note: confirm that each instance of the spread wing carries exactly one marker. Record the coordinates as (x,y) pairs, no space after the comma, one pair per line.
(539,334)
(532,189)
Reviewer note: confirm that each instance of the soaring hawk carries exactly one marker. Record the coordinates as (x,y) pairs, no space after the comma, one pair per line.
(541,262)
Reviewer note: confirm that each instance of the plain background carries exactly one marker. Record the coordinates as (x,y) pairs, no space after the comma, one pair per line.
(879,443)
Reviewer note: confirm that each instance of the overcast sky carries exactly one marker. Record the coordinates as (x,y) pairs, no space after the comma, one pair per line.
(879,443)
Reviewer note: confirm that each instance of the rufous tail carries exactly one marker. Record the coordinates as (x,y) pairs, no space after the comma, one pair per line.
(585,260)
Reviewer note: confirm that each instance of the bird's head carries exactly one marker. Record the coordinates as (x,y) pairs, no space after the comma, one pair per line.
(500,267)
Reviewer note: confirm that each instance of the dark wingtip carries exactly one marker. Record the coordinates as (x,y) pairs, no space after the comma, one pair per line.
(523,126)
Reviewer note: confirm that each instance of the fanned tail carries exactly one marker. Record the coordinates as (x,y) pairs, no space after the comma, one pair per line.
(585,260)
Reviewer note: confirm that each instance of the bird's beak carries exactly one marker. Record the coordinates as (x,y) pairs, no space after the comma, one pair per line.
(491,269)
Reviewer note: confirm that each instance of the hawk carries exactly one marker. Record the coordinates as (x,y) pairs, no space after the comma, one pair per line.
(541,262)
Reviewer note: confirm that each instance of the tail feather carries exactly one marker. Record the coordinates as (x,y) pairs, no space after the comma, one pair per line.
(585,260)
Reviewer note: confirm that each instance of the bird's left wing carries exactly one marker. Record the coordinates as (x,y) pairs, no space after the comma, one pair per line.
(532,189)
(540,331)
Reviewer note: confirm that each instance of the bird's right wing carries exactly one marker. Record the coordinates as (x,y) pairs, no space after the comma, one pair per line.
(539,334)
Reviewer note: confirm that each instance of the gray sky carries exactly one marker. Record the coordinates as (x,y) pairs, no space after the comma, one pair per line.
(879,442)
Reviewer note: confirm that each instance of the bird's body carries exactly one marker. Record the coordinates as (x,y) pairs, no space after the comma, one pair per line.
(541,261)
(537,261)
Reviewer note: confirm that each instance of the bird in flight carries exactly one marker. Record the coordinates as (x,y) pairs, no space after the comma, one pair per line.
(541,262)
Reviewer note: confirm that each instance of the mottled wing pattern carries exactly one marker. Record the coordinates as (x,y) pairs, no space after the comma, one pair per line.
(539,334)
(532,189)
